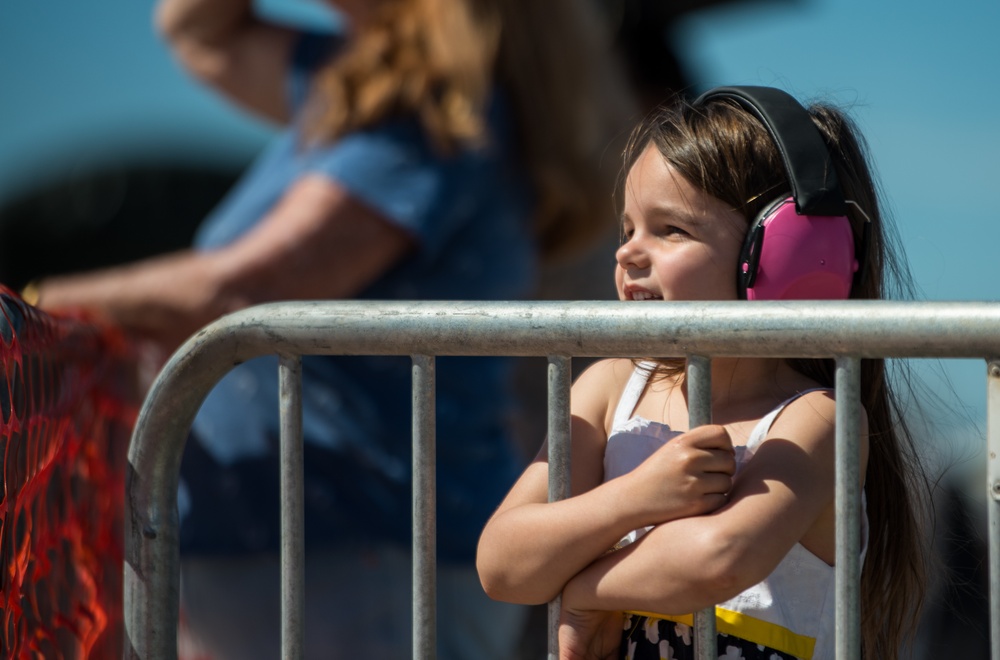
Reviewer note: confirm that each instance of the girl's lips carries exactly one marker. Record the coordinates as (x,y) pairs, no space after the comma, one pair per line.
(636,293)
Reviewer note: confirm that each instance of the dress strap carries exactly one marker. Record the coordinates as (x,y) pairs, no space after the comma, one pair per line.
(760,431)
(633,390)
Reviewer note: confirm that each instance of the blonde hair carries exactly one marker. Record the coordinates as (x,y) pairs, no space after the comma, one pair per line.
(440,61)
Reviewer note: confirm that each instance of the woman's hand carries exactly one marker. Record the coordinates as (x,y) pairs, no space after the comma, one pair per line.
(589,634)
(225,45)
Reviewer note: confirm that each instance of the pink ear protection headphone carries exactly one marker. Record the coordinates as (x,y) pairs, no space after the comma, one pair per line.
(800,246)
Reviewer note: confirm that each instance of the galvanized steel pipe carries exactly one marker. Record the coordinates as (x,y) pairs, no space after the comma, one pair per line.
(292,507)
(993,498)
(699,392)
(424,613)
(560,377)
(858,329)
(847,497)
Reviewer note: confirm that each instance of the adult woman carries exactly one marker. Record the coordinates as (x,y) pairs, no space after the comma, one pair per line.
(434,149)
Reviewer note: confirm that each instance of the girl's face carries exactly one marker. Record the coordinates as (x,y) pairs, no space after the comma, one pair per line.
(680,242)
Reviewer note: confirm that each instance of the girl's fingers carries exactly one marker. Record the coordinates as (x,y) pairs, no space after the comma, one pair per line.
(710,436)
(715,460)
(716,483)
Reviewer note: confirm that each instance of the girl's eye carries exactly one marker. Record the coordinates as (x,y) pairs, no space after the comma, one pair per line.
(673,230)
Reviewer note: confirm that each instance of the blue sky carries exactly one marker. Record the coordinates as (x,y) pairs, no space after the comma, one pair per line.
(83,82)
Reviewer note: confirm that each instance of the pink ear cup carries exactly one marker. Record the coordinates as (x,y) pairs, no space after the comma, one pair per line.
(804,257)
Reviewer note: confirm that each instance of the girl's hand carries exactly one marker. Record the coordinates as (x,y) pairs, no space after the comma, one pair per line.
(589,634)
(688,476)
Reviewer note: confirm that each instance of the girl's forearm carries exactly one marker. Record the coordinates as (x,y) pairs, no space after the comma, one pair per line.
(678,568)
(528,553)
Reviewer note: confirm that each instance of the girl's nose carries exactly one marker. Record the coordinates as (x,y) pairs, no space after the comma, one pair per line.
(631,254)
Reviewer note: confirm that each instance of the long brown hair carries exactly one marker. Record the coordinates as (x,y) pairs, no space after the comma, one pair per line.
(440,60)
(725,151)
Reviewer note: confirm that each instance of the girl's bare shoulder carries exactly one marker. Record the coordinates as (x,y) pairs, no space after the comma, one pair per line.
(813,416)
(599,386)
(607,376)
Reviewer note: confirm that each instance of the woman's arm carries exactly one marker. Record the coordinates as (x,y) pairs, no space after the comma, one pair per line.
(319,242)
(783,496)
(530,547)
(224,44)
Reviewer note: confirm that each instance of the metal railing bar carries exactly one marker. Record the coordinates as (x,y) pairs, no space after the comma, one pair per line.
(424,509)
(847,572)
(559,453)
(292,507)
(993,498)
(863,329)
(699,392)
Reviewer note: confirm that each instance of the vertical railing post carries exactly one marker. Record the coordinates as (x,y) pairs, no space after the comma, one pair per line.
(558,434)
(424,509)
(151,572)
(993,499)
(292,507)
(699,392)
(847,498)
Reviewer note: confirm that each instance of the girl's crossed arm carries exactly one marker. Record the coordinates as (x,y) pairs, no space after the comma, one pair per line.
(530,548)
(782,497)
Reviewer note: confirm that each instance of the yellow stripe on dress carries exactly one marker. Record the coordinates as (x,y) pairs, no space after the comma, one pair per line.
(751,629)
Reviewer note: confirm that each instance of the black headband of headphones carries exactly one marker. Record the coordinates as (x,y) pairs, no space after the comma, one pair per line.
(810,169)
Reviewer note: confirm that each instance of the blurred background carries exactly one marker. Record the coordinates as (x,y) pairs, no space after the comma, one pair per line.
(109,152)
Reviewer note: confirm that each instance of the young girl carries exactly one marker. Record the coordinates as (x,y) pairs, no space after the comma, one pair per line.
(665,520)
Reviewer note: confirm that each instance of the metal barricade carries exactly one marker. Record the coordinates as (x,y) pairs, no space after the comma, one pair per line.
(846,331)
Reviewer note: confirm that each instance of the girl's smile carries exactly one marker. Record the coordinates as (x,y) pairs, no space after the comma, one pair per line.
(680,243)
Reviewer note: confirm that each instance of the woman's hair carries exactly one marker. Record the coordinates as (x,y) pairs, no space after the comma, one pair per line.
(725,151)
(441,61)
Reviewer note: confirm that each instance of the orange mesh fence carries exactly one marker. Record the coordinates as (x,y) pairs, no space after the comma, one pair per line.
(67,406)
